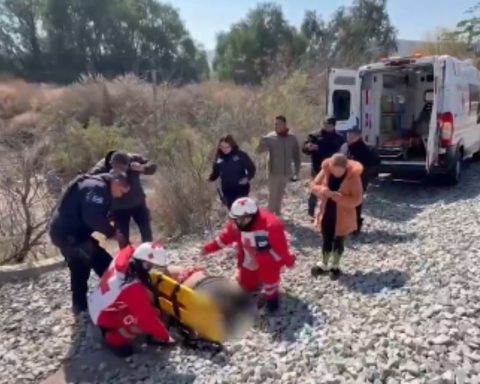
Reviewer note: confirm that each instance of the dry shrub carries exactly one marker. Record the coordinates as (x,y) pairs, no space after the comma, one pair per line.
(95,115)
(78,149)
(25,206)
(88,99)
(182,199)
(15,98)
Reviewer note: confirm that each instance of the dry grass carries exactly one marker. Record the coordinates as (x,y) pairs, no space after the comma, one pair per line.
(179,130)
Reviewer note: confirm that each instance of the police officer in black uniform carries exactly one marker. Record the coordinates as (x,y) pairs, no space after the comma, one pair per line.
(133,204)
(356,149)
(320,146)
(83,209)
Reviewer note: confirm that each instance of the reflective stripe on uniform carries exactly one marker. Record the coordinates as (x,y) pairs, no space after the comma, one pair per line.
(126,334)
(275,255)
(220,243)
(270,288)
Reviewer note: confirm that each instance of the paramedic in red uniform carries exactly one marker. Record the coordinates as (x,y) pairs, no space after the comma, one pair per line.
(262,249)
(122,306)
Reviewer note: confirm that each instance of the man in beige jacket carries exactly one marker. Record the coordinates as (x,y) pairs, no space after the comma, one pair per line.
(284,151)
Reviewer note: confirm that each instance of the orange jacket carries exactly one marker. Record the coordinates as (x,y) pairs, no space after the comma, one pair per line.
(351,196)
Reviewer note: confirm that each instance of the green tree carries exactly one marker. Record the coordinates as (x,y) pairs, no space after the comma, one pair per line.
(245,54)
(318,40)
(65,38)
(469,29)
(21,36)
(362,33)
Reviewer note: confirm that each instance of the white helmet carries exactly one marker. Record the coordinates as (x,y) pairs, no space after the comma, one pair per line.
(243,207)
(153,253)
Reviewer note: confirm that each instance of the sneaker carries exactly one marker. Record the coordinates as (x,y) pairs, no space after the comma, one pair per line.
(318,271)
(335,273)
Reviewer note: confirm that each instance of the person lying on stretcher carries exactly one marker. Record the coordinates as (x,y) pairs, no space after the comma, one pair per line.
(121,305)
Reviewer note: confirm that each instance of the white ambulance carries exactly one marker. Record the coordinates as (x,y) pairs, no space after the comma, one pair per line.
(420,113)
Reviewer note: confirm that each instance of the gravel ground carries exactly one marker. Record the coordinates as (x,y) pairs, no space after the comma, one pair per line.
(405,311)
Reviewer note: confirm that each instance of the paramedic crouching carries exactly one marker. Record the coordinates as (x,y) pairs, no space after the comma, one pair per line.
(121,305)
(82,210)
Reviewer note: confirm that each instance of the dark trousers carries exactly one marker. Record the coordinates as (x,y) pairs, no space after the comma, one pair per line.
(141,215)
(312,204)
(331,243)
(81,259)
(366,177)
(230,196)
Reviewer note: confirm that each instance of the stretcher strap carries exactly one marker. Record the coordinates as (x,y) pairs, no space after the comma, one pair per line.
(174,299)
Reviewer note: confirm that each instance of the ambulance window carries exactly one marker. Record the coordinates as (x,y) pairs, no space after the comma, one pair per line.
(474,97)
(341,104)
(344,80)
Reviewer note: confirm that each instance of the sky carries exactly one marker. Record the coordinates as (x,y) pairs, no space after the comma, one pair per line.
(414,19)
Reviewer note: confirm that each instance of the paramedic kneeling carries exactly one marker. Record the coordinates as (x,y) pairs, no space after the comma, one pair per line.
(262,248)
(122,306)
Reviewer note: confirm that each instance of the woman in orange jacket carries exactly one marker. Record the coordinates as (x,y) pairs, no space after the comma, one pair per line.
(338,187)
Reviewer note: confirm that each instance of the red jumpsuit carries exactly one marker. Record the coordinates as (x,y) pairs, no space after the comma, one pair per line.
(124,308)
(261,252)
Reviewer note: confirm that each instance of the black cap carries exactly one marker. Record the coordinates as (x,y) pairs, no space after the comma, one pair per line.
(355,129)
(120,157)
(330,120)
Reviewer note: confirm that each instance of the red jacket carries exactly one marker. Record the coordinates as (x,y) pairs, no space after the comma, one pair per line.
(267,235)
(116,303)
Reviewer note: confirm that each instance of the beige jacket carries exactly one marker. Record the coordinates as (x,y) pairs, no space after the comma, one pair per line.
(284,151)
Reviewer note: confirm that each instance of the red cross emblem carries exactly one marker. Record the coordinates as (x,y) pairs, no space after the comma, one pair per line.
(104,286)
(242,202)
(150,256)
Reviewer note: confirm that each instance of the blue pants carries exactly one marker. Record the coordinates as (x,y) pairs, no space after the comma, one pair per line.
(229,197)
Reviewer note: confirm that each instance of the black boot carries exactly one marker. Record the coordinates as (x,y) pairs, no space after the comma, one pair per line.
(159,343)
(269,306)
(120,350)
(335,273)
(359,227)
(79,306)
(272,305)
(317,270)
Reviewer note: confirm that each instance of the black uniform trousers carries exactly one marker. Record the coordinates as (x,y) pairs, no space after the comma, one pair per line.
(140,214)
(81,259)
